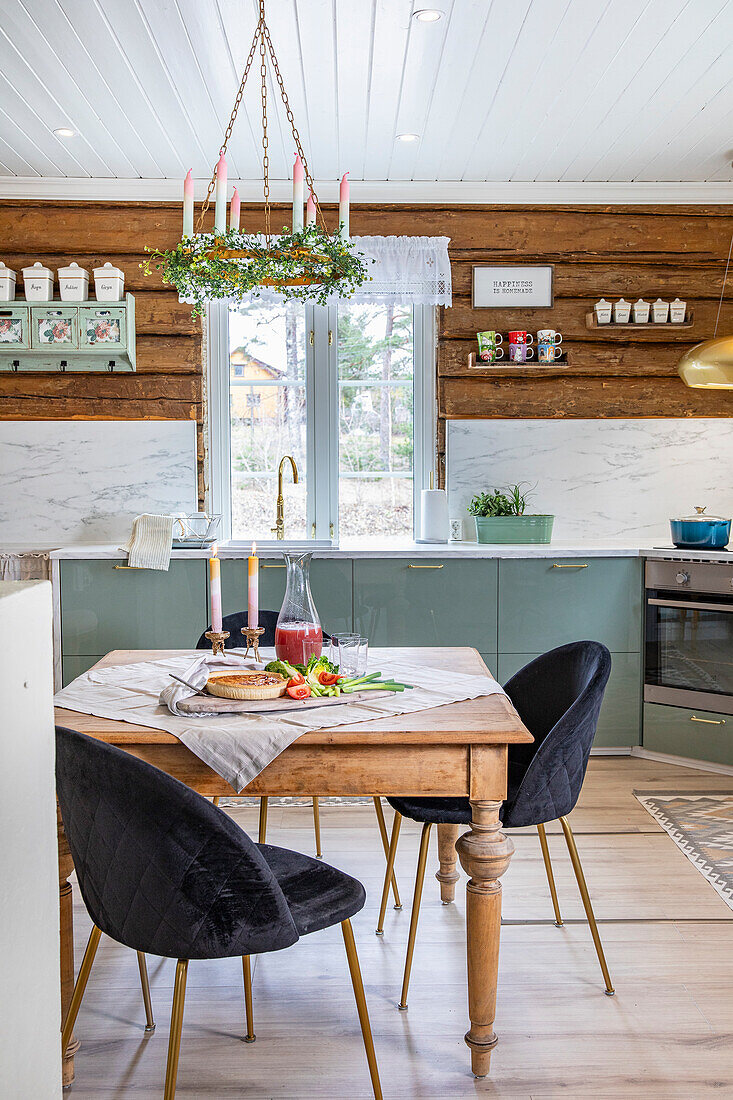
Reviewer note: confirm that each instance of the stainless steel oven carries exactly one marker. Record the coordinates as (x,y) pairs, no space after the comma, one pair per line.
(689,634)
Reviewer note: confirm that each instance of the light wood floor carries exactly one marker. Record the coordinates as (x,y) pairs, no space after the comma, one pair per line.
(667,1034)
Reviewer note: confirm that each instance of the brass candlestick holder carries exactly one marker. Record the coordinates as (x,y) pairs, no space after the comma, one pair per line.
(217,639)
(253,635)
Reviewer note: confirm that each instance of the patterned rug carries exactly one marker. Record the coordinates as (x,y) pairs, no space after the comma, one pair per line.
(701,825)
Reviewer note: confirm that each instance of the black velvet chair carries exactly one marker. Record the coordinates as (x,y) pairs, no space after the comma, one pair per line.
(268,619)
(558,697)
(164,872)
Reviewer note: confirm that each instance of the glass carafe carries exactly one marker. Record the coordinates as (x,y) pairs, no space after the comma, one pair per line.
(298,632)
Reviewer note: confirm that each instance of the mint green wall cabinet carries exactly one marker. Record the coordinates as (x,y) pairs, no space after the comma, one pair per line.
(620,720)
(547,602)
(426,602)
(697,734)
(71,667)
(103,608)
(68,336)
(331,586)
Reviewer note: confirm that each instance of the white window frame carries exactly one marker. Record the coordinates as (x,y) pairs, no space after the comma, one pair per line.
(321,365)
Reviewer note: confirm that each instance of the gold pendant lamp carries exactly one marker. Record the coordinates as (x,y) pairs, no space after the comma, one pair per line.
(710,365)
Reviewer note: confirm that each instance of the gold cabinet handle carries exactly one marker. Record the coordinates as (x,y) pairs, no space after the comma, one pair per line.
(708,721)
(134,568)
(411,566)
(559,565)
(273,564)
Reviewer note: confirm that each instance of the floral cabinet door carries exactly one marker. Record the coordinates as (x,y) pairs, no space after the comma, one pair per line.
(54,328)
(14,328)
(102,328)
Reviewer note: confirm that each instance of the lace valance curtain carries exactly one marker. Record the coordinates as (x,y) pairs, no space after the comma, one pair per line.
(406,271)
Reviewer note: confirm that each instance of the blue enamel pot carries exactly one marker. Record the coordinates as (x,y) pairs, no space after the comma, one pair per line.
(700,532)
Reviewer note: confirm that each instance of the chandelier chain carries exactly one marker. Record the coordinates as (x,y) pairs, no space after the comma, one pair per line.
(230,126)
(265,139)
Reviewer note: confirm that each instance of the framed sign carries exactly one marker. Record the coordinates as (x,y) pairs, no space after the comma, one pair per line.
(528,287)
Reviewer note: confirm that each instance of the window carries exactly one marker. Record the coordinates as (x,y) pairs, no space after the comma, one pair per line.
(346,390)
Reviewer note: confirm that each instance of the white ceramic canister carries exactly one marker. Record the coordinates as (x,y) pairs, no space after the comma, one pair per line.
(660,312)
(603,312)
(677,311)
(109,283)
(641,312)
(38,281)
(73,283)
(7,283)
(433,515)
(621,311)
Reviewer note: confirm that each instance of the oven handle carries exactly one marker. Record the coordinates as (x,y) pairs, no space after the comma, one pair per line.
(692,606)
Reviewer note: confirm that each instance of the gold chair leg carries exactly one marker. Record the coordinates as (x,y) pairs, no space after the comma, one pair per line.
(416,899)
(361,1006)
(143,966)
(550,876)
(174,1043)
(385,845)
(81,983)
(263,819)
(389,872)
(317,826)
(575,860)
(247,972)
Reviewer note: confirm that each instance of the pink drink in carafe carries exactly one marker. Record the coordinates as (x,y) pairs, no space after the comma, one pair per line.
(296,642)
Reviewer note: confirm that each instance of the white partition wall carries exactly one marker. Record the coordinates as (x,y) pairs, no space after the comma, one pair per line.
(30,1008)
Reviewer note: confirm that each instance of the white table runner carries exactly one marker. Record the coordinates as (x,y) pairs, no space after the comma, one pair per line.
(239,746)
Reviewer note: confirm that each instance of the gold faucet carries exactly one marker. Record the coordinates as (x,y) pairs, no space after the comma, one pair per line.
(279,528)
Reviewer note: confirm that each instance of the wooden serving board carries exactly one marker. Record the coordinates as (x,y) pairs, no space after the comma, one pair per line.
(212,704)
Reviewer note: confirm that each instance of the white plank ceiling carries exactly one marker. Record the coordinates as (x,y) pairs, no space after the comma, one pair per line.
(496,90)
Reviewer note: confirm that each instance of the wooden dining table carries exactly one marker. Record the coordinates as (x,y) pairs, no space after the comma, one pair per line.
(456,750)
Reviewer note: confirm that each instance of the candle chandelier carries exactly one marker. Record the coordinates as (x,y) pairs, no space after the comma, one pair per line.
(303,261)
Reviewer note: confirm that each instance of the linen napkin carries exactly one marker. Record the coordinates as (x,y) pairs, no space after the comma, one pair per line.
(150,542)
(197,674)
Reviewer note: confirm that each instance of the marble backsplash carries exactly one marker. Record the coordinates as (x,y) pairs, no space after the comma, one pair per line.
(601,479)
(72,481)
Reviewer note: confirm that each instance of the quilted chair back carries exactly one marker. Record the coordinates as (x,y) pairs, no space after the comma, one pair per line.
(558,697)
(234,623)
(160,869)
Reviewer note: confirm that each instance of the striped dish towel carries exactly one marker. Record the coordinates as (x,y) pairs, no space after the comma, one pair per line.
(150,542)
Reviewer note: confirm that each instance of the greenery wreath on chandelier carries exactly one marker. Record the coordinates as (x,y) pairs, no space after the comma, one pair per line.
(308,264)
(305,262)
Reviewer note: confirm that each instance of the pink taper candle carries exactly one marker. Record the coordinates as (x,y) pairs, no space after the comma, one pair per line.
(253,587)
(220,210)
(215,588)
(310,211)
(344,206)
(234,209)
(298,178)
(188,205)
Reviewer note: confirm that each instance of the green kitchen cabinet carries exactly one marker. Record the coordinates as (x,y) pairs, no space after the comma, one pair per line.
(105,608)
(550,601)
(331,587)
(620,722)
(71,667)
(426,602)
(695,734)
(492,663)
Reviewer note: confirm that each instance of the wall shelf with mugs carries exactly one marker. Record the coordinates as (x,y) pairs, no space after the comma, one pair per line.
(640,316)
(503,369)
(520,353)
(71,333)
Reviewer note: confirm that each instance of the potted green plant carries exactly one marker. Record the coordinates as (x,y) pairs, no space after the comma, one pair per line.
(500,517)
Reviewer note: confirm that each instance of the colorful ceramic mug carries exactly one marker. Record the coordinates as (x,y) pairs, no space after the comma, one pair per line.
(488,346)
(521,337)
(520,353)
(548,353)
(549,336)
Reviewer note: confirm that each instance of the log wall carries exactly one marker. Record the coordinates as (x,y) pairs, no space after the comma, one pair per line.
(630,251)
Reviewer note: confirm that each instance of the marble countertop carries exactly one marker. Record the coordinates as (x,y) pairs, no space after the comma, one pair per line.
(367,549)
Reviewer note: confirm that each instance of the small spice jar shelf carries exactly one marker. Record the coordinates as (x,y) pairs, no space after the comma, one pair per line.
(508,369)
(66,336)
(640,326)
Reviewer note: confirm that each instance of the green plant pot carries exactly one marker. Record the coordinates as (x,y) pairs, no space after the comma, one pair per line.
(517,529)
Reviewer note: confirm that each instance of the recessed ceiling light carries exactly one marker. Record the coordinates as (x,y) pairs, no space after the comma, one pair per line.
(64,131)
(427,15)
(408,137)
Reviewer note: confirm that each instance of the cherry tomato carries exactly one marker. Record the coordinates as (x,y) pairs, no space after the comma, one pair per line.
(298,691)
(297,679)
(327,678)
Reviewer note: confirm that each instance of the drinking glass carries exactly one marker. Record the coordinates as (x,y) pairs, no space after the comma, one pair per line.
(345,653)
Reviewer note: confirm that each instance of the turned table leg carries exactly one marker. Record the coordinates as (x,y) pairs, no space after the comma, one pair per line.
(485,853)
(66,913)
(447,875)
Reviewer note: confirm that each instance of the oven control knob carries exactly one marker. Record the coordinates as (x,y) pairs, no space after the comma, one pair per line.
(683,578)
